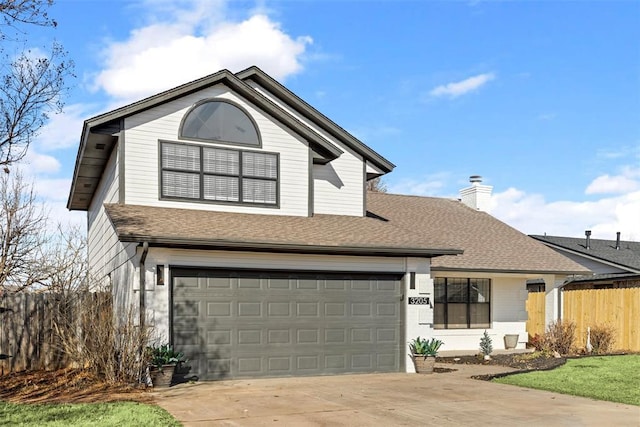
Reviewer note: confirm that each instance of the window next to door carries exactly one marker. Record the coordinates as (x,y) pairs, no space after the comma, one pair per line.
(462,303)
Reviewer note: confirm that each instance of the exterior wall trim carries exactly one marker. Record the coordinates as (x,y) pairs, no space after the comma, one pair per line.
(288,248)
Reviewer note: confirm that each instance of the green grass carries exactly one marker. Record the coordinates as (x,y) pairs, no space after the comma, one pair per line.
(85,414)
(612,378)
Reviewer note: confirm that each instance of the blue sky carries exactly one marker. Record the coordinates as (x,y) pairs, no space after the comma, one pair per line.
(540,98)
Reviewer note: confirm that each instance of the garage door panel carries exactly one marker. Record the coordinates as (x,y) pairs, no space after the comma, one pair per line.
(307,284)
(282,324)
(250,336)
(335,309)
(361,309)
(249,309)
(386,309)
(279,308)
(308,336)
(386,335)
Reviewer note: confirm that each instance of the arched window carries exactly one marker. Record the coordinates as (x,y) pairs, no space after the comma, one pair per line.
(220,121)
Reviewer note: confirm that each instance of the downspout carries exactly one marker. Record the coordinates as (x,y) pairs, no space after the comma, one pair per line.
(143,258)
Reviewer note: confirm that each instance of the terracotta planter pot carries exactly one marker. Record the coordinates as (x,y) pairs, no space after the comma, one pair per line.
(161,377)
(424,365)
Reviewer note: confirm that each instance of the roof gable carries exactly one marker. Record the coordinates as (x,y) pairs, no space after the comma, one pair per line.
(99,134)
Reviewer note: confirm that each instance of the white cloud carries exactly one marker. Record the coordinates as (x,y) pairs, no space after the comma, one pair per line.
(192,43)
(462,87)
(606,184)
(63,130)
(532,214)
(41,163)
(431,185)
(58,214)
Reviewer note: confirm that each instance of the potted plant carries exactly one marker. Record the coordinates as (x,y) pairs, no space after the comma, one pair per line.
(162,363)
(424,352)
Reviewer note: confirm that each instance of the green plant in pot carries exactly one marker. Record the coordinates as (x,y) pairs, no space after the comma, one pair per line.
(162,363)
(424,352)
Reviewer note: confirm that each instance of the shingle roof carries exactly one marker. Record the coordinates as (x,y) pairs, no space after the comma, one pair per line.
(609,277)
(395,226)
(488,244)
(628,256)
(275,233)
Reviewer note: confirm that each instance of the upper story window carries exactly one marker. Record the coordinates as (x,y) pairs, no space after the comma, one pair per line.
(220,121)
(201,173)
(462,303)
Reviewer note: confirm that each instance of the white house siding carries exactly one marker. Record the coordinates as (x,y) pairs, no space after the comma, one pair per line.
(418,317)
(111,262)
(144,130)
(597,267)
(157,297)
(338,186)
(101,236)
(508,314)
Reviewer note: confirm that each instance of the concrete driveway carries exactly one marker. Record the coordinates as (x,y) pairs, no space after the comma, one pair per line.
(443,399)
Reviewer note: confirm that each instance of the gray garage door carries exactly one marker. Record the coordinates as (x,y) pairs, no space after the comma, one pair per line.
(234,324)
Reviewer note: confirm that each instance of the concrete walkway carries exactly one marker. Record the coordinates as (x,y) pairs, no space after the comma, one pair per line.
(442,399)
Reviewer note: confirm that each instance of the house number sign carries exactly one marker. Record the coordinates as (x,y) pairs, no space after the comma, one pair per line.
(419,300)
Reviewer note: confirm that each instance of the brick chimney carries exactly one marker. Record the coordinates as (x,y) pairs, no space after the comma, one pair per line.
(477,196)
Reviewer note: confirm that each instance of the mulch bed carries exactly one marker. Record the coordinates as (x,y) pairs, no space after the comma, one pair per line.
(66,386)
(522,362)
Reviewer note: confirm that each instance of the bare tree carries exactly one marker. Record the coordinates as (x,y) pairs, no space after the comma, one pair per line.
(376,185)
(22,235)
(31,83)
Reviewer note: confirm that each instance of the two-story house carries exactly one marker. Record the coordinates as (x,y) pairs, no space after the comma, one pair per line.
(234,217)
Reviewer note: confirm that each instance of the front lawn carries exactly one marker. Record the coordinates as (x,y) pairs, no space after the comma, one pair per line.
(85,414)
(612,378)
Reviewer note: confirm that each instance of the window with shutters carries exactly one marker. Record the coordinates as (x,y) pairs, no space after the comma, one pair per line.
(213,174)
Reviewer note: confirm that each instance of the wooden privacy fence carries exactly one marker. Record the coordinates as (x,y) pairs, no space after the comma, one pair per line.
(619,308)
(535,313)
(27,332)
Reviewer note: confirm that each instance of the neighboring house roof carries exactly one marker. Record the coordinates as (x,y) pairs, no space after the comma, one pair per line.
(98,133)
(604,278)
(488,244)
(394,226)
(627,257)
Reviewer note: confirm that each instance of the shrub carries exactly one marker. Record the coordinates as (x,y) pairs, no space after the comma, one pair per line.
(602,338)
(537,342)
(560,337)
(486,345)
(113,351)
